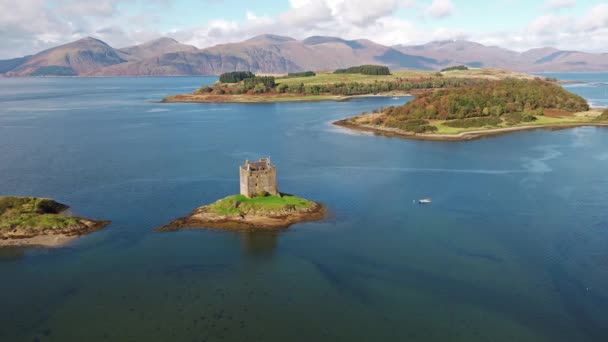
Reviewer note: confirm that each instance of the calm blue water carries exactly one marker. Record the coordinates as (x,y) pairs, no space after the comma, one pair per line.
(513,247)
(593,86)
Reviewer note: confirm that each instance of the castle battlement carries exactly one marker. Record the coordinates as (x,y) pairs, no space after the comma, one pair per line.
(258,178)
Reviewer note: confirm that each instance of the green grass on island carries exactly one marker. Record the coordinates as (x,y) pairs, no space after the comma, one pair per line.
(32,214)
(239,204)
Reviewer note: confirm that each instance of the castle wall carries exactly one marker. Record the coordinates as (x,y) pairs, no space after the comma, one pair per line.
(255,182)
(244,182)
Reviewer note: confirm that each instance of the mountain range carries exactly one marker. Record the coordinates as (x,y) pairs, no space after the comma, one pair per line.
(274,54)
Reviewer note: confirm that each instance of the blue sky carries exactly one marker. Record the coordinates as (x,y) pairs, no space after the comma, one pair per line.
(28,26)
(471,15)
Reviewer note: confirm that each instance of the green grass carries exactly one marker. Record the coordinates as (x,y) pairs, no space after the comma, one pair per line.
(27,205)
(31,214)
(34,222)
(602,117)
(328,78)
(578,118)
(238,204)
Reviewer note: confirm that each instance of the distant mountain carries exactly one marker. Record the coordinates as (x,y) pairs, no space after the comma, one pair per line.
(461,52)
(10,64)
(157,47)
(274,54)
(270,54)
(77,58)
(457,52)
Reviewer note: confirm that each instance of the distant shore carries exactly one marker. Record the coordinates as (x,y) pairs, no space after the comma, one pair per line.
(270,98)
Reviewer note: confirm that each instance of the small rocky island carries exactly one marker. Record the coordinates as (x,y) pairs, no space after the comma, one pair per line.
(31,221)
(259,205)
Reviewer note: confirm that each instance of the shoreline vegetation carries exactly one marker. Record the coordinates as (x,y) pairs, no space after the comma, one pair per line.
(481,110)
(339,85)
(241,213)
(461,136)
(31,221)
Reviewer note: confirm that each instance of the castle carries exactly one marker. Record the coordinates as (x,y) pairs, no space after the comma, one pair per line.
(258,178)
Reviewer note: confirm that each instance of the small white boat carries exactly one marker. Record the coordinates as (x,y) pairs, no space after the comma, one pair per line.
(424,201)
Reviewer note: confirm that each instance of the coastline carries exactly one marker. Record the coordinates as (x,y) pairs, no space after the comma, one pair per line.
(203,219)
(49,241)
(194,98)
(58,239)
(463,136)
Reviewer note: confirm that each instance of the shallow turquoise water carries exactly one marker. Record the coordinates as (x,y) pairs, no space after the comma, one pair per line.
(513,247)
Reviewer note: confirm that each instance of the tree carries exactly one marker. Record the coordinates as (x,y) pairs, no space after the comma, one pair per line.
(282,88)
(235,76)
(365,70)
(301,74)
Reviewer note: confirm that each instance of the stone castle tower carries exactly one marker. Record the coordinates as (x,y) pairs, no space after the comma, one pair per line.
(258,178)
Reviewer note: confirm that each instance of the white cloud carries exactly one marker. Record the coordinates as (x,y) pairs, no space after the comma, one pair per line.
(559,4)
(596,18)
(585,33)
(440,8)
(547,24)
(28,26)
(350,19)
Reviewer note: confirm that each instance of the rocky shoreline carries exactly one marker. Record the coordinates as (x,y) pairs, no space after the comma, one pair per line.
(464,136)
(271,98)
(202,217)
(52,237)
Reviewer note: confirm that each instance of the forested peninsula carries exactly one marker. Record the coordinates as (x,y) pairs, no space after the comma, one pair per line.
(482,109)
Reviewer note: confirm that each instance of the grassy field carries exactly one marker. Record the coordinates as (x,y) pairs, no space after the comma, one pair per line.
(239,204)
(577,118)
(32,214)
(26,217)
(329,77)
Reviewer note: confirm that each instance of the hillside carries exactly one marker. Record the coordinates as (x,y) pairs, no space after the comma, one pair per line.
(10,64)
(456,52)
(273,54)
(487,107)
(270,54)
(489,99)
(78,58)
(157,47)
(322,53)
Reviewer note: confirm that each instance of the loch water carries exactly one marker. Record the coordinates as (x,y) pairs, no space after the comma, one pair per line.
(513,247)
